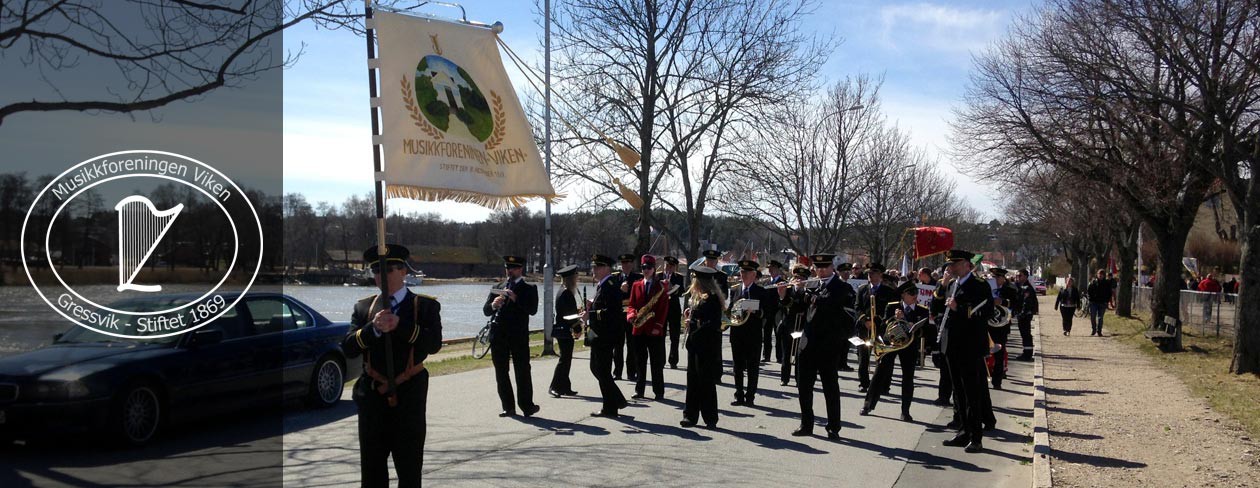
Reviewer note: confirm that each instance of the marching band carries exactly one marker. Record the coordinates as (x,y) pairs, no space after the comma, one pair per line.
(809,319)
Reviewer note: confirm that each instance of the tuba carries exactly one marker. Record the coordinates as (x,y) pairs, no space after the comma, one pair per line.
(1001,317)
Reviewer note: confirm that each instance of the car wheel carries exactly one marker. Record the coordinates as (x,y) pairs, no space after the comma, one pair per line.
(138,414)
(327,382)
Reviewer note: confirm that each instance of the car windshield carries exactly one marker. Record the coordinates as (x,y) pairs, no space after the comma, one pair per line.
(78,335)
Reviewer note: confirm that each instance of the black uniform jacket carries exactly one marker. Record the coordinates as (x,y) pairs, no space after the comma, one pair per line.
(1026,302)
(419,334)
(967,327)
(915,313)
(704,327)
(831,323)
(605,319)
(884,295)
(513,318)
(675,302)
(566,304)
(750,332)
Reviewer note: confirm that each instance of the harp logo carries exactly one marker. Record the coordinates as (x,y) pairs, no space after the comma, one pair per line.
(162,235)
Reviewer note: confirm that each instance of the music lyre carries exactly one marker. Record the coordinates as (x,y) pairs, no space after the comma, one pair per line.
(141,227)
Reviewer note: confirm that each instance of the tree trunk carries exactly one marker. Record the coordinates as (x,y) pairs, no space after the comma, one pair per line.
(1126,251)
(1247,315)
(1167,291)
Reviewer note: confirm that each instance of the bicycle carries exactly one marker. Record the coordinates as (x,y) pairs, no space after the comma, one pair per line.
(481,344)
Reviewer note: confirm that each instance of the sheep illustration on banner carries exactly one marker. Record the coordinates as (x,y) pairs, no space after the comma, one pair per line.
(452,127)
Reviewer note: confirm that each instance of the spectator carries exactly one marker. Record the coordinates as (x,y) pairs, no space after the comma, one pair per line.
(1099,293)
(1231,288)
(1213,288)
(1066,303)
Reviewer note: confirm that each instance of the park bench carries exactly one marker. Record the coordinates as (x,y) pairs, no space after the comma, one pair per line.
(1165,332)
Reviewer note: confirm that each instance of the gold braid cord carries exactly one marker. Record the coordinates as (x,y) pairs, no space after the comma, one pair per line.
(409,98)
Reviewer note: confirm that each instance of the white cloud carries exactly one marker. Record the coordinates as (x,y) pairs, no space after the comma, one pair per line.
(939,28)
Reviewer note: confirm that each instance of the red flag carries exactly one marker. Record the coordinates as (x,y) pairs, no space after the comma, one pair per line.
(930,241)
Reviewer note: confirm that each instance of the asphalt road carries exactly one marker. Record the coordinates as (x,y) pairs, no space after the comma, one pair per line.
(469,445)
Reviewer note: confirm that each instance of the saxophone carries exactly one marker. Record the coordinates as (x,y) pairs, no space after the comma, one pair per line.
(646,313)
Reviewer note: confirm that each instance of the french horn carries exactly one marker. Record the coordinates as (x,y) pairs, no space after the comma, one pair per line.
(899,334)
(740,312)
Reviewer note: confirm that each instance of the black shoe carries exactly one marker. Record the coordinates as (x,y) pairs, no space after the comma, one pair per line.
(783,383)
(659,397)
(997,384)
(957,441)
(974,447)
(833,434)
(617,377)
(624,404)
(905,417)
(989,426)
(571,393)
(710,425)
(531,410)
(737,403)
(749,403)
(1024,357)
(847,369)
(687,423)
(636,396)
(507,413)
(673,366)
(941,402)
(865,411)
(607,415)
(803,432)
(554,393)
(953,425)
(863,388)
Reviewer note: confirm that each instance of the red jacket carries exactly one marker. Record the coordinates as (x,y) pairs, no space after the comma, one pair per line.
(1210,285)
(639,298)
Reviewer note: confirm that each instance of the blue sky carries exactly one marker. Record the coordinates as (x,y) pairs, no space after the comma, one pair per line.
(923,48)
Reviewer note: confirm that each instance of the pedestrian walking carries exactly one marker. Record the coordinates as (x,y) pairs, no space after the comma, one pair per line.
(1067,302)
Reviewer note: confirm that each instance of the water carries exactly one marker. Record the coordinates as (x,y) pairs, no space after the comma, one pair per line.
(27,323)
(461,303)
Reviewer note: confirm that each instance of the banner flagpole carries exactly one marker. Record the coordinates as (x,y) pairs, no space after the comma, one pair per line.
(379,176)
(549,286)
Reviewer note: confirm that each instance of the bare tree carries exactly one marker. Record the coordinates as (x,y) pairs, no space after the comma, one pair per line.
(1036,102)
(1212,49)
(809,161)
(677,80)
(144,54)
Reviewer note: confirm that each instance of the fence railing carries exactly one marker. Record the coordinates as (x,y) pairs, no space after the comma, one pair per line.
(1202,312)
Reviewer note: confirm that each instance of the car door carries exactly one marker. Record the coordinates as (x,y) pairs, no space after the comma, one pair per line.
(209,378)
(284,352)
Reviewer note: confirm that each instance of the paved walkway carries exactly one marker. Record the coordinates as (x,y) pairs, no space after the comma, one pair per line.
(468,445)
(1118,419)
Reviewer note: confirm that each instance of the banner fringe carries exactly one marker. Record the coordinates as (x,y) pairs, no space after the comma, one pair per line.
(495,202)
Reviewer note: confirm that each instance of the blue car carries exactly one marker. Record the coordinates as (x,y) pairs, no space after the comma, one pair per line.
(268,349)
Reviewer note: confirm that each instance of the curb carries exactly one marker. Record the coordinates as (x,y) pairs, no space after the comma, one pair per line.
(1041,430)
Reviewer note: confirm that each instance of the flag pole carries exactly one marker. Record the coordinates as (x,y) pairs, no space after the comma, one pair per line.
(549,292)
(379,176)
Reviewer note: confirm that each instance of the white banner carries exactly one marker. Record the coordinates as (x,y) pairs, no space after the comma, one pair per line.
(925,293)
(452,127)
